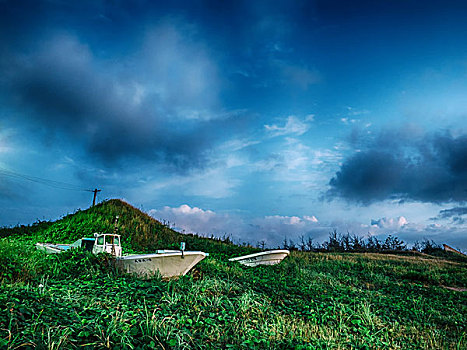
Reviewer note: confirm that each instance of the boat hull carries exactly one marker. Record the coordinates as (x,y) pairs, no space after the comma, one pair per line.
(271,257)
(167,264)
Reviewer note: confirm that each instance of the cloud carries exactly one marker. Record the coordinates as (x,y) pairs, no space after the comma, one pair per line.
(195,220)
(274,228)
(235,145)
(154,105)
(448,213)
(271,229)
(181,70)
(293,126)
(215,182)
(451,235)
(390,223)
(455,214)
(404,166)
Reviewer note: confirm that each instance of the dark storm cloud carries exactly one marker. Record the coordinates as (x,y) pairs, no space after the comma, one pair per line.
(126,80)
(447,213)
(62,87)
(429,168)
(455,214)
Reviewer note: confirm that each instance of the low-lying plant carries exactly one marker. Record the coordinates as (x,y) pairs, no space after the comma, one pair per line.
(309,301)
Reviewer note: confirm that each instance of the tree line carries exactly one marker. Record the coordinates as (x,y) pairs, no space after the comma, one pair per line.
(338,242)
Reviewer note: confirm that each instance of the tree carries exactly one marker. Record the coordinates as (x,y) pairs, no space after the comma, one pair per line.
(302,243)
(358,243)
(334,243)
(393,243)
(345,242)
(309,244)
(373,244)
(292,245)
(429,246)
(261,244)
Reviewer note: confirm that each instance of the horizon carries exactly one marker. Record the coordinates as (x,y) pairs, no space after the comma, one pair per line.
(244,118)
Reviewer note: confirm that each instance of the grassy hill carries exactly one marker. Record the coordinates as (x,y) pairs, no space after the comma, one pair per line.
(139,231)
(309,301)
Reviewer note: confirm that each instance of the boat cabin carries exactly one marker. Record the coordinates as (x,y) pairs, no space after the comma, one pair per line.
(103,242)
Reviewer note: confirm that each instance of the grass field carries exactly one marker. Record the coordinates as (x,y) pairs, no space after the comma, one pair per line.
(309,301)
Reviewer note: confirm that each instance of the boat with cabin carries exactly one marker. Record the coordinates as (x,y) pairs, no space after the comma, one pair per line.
(166,263)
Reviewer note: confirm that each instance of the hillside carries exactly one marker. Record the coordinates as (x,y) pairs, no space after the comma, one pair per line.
(309,301)
(139,231)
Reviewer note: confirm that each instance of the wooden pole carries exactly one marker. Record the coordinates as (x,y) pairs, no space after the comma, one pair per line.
(95,195)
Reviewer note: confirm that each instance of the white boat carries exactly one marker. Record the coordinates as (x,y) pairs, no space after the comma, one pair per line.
(167,263)
(270,257)
(106,242)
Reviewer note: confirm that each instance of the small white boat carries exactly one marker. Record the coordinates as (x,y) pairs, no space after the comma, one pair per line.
(270,257)
(168,263)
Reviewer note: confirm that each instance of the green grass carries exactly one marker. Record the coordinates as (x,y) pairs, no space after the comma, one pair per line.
(309,301)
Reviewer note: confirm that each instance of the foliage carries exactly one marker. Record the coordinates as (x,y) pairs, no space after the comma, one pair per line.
(338,242)
(21,230)
(139,231)
(309,301)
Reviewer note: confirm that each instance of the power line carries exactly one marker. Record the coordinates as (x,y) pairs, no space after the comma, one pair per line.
(50,183)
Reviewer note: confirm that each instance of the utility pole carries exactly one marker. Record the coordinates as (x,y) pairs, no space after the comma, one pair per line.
(95,195)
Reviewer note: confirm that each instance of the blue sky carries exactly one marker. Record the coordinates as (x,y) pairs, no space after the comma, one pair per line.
(257,119)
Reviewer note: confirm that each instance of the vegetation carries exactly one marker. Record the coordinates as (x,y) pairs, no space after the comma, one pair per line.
(312,300)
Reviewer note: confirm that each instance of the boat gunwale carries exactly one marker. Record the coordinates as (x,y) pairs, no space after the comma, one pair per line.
(278,251)
(160,255)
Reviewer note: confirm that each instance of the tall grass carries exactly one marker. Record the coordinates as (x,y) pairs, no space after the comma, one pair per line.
(309,301)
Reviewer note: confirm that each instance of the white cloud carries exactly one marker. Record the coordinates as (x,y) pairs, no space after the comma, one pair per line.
(296,155)
(347,120)
(293,126)
(194,219)
(390,223)
(325,157)
(282,220)
(274,228)
(238,144)
(310,218)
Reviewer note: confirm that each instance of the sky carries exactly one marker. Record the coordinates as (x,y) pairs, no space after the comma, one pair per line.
(260,120)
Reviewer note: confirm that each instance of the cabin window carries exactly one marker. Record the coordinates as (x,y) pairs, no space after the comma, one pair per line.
(100,240)
(117,240)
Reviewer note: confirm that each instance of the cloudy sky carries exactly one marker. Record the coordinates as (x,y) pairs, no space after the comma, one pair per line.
(257,119)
